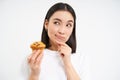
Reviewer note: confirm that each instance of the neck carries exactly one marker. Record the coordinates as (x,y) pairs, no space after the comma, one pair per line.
(53,46)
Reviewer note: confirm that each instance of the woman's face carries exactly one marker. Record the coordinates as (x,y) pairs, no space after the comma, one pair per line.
(60,26)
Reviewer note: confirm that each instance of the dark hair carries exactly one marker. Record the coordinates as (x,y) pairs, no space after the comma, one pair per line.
(57,7)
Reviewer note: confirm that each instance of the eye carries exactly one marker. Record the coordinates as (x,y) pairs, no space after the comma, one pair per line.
(69,25)
(56,23)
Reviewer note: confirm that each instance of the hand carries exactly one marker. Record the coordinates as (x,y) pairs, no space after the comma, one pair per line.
(34,61)
(65,52)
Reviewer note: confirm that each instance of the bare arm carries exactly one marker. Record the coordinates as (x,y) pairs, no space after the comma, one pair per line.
(65,52)
(33,77)
(70,72)
(34,61)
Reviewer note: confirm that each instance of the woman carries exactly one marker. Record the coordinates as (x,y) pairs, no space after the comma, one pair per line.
(55,62)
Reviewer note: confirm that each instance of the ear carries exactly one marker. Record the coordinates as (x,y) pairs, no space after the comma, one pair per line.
(46,24)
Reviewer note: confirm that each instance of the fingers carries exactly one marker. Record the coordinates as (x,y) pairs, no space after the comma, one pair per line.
(35,57)
(60,43)
(30,56)
(61,50)
(39,59)
(60,46)
(64,49)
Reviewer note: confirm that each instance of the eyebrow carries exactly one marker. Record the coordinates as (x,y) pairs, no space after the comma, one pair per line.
(61,20)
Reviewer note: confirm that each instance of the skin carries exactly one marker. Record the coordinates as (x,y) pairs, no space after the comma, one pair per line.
(59,27)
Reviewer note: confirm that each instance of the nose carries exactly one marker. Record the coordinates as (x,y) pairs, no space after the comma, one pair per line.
(61,30)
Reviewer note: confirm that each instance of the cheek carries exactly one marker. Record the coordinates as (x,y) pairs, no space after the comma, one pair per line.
(68,34)
(51,31)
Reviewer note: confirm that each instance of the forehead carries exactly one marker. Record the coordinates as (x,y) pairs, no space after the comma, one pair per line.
(63,15)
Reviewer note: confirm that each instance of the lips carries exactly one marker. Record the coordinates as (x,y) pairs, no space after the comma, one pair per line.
(60,38)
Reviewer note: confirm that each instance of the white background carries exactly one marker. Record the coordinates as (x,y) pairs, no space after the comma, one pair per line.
(98,35)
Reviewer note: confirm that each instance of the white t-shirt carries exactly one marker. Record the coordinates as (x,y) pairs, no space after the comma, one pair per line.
(52,67)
